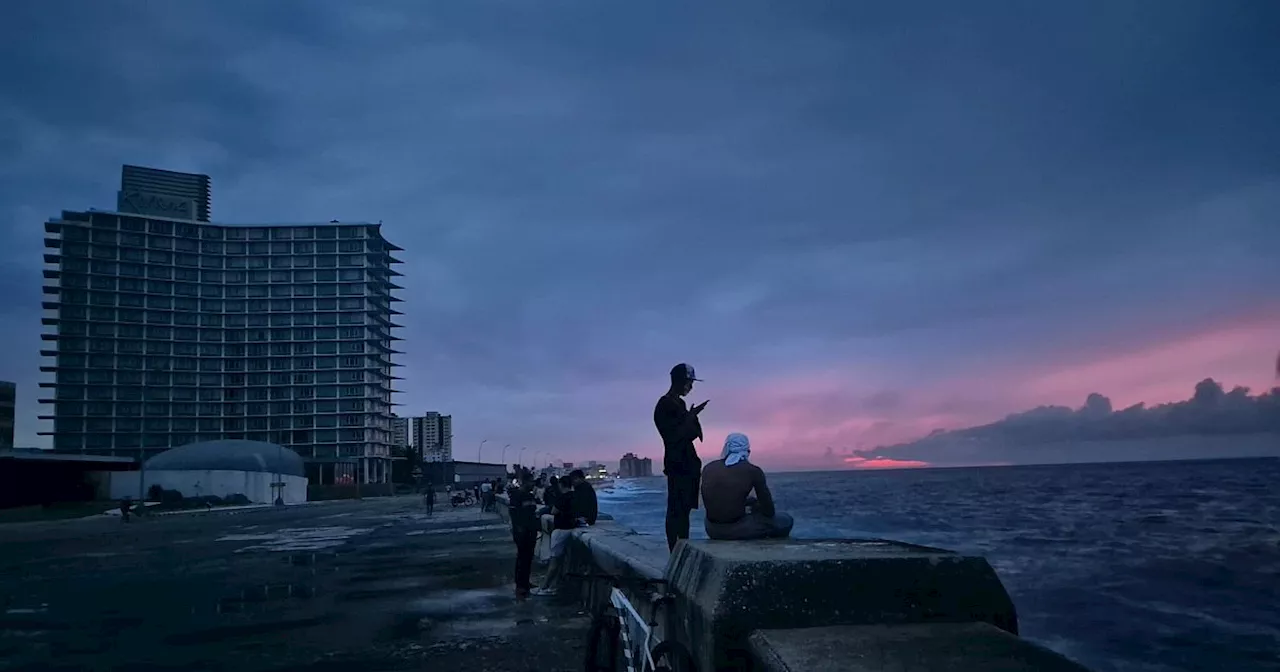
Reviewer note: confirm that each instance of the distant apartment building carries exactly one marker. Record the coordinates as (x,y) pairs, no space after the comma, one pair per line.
(8,399)
(431,435)
(400,433)
(631,466)
(168,330)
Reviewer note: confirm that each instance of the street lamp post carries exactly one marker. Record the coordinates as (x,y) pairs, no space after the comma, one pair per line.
(504,457)
(480,448)
(522,449)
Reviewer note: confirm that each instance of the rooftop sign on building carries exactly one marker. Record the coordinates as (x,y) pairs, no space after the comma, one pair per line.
(155,205)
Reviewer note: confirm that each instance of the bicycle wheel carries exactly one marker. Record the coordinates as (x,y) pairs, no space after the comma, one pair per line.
(603,651)
(672,656)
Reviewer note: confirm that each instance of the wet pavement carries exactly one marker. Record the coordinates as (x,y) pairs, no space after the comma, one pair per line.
(368,585)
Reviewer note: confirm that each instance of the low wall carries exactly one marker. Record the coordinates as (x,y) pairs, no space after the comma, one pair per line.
(814,604)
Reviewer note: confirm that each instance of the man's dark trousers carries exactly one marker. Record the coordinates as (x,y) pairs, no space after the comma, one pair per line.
(682,497)
(526,543)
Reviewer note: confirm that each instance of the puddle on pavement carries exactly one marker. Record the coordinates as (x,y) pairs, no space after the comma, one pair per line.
(384,588)
(469,614)
(451,530)
(258,597)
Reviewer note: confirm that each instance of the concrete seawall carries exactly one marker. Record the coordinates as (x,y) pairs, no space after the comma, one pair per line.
(816,604)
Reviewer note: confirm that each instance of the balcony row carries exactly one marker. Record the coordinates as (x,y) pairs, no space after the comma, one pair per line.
(73,235)
(131,443)
(165,409)
(104,291)
(138,260)
(107,221)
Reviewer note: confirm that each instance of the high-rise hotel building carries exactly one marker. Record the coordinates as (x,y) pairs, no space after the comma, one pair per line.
(167,331)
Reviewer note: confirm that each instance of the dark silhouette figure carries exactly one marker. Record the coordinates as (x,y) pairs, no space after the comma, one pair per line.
(679,426)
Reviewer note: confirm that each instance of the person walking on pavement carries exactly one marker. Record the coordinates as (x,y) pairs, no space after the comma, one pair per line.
(679,426)
(429,498)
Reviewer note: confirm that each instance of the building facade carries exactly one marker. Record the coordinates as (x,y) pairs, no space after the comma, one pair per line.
(8,400)
(168,331)
(631,466)
(400,433)
(431,435)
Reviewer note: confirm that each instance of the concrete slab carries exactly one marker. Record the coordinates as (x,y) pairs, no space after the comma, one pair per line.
(933,647)
(728,589)
(616,549)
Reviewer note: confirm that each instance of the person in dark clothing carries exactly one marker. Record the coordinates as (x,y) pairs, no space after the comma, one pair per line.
(563,520)
(586,509)
(429,498)
(679,426)
(524,531)
(727,484)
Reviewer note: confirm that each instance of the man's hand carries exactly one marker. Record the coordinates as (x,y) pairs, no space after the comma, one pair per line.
(698,409)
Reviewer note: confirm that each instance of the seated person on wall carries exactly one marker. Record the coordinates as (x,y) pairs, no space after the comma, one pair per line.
(563,520)
(585,507)
(732,513)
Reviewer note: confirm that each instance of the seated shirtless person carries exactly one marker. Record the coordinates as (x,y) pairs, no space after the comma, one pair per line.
(732,514)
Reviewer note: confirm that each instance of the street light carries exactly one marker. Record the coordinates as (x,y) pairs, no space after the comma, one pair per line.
(522,449)
(504,457)
(480,448)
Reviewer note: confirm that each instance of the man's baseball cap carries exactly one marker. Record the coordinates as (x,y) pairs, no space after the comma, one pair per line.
(684,372)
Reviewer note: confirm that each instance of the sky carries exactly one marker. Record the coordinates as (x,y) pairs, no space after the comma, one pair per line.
(860,222)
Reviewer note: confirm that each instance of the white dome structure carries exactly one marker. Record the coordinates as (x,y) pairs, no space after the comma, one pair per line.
(230,455)
(263,472)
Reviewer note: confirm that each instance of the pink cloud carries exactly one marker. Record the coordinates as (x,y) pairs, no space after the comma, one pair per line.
(1235,354)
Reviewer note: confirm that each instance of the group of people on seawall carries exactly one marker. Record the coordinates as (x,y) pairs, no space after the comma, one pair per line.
(734,491)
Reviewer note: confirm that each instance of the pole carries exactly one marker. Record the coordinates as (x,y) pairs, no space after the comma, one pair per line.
(479,449)
(504,458)
(142,478)
(522,449)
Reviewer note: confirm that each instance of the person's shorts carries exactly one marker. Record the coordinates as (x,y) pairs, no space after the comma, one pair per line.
(682,492)
(559,541)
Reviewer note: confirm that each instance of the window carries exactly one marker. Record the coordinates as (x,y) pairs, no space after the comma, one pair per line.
(352,391)
(281,262)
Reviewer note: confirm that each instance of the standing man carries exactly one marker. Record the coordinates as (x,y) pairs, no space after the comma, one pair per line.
(429,498)
(679,426)
(524,530)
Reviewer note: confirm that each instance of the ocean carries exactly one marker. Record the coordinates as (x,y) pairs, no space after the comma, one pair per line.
(1149,567)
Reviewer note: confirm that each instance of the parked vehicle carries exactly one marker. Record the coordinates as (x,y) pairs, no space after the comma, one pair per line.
(462,498)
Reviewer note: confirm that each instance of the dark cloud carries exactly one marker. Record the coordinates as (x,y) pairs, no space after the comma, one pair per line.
(1213,415)
(589,192)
